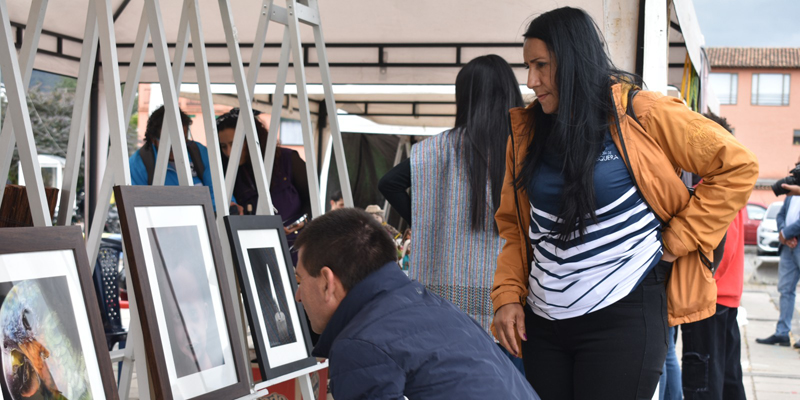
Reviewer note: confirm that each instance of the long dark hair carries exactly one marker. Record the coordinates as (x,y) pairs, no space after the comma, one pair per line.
(486,89)
(156,121)
(584,76)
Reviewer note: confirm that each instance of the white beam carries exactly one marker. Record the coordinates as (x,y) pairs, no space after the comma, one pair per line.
(20,119)
(245,117)
(30,43)
(207,106)
(305,115)
(172,121)
(117,170)
(80,111)
(333,119)
(656,46)
(277,102)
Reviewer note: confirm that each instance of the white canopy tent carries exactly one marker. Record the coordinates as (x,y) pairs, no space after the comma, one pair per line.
(391,62)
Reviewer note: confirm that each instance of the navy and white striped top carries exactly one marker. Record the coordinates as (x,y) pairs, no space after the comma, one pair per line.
(573,278)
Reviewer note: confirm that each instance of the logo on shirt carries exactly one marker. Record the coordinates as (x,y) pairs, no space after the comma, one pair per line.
(607,156)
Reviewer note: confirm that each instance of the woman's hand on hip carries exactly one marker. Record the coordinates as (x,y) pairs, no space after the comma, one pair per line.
(509,320)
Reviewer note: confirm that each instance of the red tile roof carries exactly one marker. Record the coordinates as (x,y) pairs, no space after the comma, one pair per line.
(754,57)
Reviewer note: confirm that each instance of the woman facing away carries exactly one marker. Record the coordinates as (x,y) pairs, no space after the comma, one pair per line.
(605,247)
(455,179)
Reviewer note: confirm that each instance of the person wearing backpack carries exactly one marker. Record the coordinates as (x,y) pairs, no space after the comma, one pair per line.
(143,161)
(605,247)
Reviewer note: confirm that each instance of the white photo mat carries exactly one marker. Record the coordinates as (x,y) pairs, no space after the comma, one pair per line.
(268,238)
(18,267)
(209,380)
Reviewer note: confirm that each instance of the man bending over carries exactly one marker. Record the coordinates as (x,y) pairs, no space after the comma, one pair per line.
(386,336)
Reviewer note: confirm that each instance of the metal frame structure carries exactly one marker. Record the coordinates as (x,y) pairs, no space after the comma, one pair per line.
(99,31)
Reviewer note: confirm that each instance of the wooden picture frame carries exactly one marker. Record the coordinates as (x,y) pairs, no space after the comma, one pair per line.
(182,293)
(48,309)
(268,285)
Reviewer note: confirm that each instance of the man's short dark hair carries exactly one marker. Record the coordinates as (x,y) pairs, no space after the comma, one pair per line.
(349,242)
(722,121)
(156,121)
(336,196)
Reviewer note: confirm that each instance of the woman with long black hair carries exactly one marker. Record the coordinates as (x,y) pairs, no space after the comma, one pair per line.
(455,179)
(605,246)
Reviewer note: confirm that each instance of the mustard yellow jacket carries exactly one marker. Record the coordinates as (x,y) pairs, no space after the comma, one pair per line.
(671,138)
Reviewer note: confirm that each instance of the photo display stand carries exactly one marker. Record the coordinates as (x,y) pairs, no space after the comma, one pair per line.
(114,167)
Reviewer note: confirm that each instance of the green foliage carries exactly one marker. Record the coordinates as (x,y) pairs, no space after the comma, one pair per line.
(51,116)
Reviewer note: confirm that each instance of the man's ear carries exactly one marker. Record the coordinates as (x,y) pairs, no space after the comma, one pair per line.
(331,283)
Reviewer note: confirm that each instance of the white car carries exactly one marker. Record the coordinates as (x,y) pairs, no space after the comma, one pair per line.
(768,230)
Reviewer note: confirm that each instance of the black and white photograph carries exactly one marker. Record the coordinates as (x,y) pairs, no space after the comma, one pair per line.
(267,281)
(185,294)
(272,298)
(181,288)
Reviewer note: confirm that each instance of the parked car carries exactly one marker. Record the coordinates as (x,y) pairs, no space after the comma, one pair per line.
(755,212)
(768,231)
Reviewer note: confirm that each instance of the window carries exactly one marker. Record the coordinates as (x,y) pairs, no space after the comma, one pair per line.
(291,132)
(770,90)
(725,86)
(796,139)
(754,211)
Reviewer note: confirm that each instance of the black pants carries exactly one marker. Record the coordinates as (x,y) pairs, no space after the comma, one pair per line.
(613,353)
(712,367)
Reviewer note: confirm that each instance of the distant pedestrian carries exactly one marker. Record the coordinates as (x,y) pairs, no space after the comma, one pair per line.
(386,336)
(788,220)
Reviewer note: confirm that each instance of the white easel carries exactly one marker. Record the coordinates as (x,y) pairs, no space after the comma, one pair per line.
(100,27)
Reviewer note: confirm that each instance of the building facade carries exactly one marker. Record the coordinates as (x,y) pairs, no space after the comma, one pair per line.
(759,94)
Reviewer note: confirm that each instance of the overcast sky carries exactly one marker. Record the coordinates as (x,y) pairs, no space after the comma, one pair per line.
(749,23)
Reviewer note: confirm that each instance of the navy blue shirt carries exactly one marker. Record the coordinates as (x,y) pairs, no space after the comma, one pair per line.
(577,276)
(390,338)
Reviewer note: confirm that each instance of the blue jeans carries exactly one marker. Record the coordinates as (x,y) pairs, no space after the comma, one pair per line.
(670,386)
(788,276)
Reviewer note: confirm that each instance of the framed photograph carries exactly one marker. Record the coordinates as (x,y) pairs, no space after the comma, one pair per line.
(185,305)
(53,345)
(266,277)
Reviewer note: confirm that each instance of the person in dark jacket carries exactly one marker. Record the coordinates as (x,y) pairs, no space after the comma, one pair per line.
(387,336)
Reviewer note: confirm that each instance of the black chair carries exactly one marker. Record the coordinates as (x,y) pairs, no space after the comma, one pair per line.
(106,285)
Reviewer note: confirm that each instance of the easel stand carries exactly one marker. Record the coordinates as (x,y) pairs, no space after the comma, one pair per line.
(190,24)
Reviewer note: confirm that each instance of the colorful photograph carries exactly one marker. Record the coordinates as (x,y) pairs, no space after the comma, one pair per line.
(41,352)
(186,297)
(272,296)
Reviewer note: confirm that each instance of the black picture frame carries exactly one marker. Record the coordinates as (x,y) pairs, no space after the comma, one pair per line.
(242,232)
(165,199)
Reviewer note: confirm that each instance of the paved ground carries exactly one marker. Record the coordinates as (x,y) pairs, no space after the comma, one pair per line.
(770,372)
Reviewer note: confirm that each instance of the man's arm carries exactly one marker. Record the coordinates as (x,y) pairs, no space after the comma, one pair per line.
(360,370)
(780,219)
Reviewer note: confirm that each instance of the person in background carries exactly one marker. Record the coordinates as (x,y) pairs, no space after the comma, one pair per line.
(788,220)
(337,201)
(377,212)
(669,385)
(583,281)
(386,336)
(712,368)
(143,161)
(288,186)
(455,180)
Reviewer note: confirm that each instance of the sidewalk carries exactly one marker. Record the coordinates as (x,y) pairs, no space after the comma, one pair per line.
(770,372)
